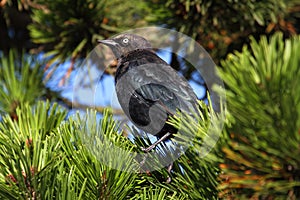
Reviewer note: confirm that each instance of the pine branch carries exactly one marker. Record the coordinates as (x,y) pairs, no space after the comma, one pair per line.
(261,154)
(77,105)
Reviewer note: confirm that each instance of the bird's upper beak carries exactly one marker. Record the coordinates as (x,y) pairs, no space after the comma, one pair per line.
(108,42)
(114,46)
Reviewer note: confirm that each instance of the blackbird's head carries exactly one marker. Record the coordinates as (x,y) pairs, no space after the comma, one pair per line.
(125,43)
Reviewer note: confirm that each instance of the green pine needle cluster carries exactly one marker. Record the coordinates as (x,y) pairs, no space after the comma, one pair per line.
(261,157)
(222,26)
(44,155)
(67,29)
(21,80)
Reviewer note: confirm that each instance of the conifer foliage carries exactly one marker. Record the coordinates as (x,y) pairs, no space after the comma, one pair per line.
(46,152)
(261,157)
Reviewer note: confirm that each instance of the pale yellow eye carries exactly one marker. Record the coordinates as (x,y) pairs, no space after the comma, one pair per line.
(125,40)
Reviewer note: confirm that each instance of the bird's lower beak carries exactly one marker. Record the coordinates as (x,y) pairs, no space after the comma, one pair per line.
(108,42)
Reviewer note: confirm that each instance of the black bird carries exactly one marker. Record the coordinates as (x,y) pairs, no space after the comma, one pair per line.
(148,89)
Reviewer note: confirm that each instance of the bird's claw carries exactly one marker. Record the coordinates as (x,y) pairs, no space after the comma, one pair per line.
(147,149)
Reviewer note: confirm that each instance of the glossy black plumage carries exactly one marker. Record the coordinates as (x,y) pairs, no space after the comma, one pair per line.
(147,86)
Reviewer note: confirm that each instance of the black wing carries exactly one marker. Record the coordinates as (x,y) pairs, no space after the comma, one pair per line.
(149,90)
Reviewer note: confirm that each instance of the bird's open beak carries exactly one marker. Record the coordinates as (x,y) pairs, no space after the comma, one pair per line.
(108,42)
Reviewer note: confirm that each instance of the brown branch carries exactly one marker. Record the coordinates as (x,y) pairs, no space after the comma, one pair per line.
(2,3)
(36,5)
(81,106)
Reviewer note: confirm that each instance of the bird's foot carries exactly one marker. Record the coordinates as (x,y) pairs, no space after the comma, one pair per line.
(144,160)
(147,149)
(152,146)
(169,179)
